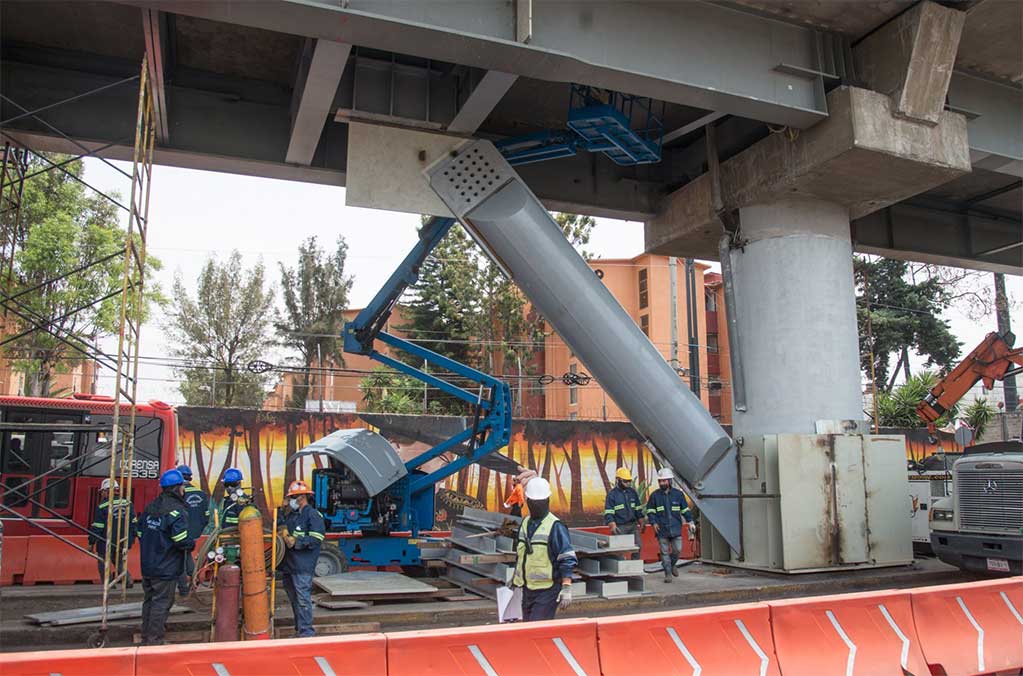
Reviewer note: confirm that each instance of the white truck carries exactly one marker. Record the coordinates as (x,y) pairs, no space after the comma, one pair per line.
(980,526)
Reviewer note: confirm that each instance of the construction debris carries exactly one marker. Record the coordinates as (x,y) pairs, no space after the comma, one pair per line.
(369,584)
(123,611)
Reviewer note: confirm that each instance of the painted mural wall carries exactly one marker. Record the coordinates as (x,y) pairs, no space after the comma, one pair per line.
(578,457)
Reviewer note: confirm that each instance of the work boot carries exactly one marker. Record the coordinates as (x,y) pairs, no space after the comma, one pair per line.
(667,577)
(674,571)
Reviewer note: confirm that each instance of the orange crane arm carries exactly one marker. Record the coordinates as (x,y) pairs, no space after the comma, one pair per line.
(989,361)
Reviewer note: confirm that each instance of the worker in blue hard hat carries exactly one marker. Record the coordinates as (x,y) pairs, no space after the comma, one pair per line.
(234,498)
(165,545)
(544,556)
(198,516)
(669,514)
(303,533)
(112,506)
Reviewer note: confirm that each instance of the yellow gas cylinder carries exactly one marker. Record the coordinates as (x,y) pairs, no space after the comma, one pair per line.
(255,598)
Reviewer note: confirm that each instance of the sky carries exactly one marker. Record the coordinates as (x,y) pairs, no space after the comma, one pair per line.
(198,214)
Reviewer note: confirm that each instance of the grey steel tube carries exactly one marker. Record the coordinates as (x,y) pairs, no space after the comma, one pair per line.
(510,223)
(734,353)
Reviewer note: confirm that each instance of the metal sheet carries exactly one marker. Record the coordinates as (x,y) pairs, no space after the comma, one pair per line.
(369,455)
(368,582)
(851,499)
(511,224)
(806,486)
(889,524)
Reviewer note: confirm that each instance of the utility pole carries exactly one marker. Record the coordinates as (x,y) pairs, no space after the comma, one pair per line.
(673,295)
(1004,327)
(692,321)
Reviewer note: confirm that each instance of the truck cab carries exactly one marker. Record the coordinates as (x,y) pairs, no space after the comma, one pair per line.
(980,526)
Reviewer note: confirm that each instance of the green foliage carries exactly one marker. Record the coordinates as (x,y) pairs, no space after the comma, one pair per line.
(904,316)
(385,391)
(898,407)
(464,308)
(979,415)
(66,227)
(315,294)
(224,326)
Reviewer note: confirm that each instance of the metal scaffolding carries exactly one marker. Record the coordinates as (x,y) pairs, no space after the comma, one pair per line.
(25,321)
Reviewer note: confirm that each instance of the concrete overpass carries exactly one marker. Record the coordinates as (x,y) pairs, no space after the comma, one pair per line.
(270,88)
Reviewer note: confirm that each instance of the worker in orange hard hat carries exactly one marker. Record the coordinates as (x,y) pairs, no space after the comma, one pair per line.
(303,532)
(622,511)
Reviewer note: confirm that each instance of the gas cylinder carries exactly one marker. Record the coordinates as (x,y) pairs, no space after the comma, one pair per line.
(228,587)
(255,598)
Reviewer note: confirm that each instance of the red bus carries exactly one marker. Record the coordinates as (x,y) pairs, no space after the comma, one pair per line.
(65,468)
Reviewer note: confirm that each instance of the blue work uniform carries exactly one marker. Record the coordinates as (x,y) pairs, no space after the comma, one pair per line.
(622,506)
(120,509)
(542,604)
(198,517)
(668,510)
(307,527)
(163,530)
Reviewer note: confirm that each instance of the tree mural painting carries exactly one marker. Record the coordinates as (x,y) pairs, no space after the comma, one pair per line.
(579,458)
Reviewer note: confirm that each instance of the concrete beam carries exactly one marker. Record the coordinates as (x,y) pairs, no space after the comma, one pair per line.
(696,53)
(154,27)
(319,76)
(911,58)
(862,157)
(483,99)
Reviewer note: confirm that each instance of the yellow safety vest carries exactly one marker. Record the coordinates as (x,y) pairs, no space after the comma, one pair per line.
(535,569)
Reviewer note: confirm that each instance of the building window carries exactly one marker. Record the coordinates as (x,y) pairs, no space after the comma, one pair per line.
(573,389)
(712,301)
(644,325)
(712,342)
(644,296)
(573,416)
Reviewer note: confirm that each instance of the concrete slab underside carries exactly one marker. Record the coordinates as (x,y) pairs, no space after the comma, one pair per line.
(698,585)
(862,157)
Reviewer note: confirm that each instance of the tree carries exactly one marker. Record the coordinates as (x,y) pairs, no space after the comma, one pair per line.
(978,415)
(219,331)
(904,315)
(315,294)
(464,308)
(65,231)
(898,407)
(385,391)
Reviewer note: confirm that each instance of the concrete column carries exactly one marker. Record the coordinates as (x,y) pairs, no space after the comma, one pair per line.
(796,311)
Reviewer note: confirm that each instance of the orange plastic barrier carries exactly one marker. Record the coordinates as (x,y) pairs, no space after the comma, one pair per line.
(717,640)
(15,553)
(108,662)
(50,560)
(868,633)
(358,655)
(971,628)
(558,647)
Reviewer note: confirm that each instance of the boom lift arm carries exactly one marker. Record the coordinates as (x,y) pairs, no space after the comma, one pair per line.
(994,359)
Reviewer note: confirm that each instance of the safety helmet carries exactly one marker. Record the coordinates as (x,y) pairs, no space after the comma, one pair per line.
(233,476)
(105,486)
(538,488)
(186,472)
(665,474)
(298,488)
(624,474)
(171,477)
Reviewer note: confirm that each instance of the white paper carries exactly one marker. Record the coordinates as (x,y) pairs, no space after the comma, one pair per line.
(509,604)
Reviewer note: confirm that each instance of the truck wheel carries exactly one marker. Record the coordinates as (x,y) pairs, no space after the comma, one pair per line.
(330,562)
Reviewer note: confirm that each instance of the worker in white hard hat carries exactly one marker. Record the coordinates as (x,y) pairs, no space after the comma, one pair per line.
(545,558)
(668,512)
(125,524)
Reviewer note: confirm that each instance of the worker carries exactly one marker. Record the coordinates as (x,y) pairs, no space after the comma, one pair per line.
(303,533)
(198,517)
(544,556)
(622,511)
(516,498)
(668,510)
(234,498)
(165,546)
(112,504)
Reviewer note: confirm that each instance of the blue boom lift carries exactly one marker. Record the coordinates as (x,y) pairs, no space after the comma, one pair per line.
(378,503)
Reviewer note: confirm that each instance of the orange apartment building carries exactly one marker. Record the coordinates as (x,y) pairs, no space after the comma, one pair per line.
(642,285)
(79,374)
